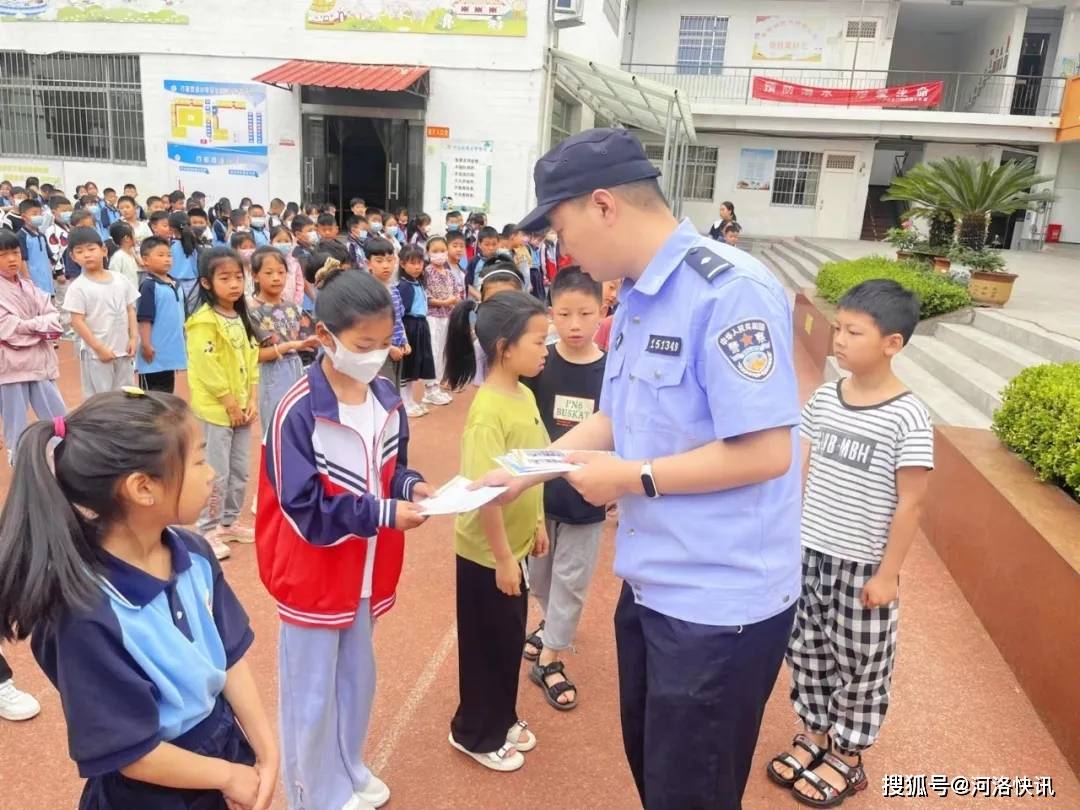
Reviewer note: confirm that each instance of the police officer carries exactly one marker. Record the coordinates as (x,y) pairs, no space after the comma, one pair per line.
(700,405)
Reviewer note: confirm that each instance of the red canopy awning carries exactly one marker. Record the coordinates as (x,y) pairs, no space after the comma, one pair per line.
(388,78)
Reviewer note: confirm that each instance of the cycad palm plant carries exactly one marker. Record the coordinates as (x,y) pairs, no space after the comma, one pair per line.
(970,190)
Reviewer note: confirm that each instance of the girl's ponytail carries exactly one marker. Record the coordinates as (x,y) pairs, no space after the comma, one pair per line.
(54,516)
(178,221)
(460,352)
(45,551)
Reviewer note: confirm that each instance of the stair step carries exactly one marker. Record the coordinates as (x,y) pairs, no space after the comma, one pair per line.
(825,254)
(790,274)
(799,255)
(1001,356)
(969,378)
(1053,348)
(946,406)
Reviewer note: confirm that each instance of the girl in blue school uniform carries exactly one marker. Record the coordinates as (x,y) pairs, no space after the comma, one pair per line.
(185,256)
(130,615)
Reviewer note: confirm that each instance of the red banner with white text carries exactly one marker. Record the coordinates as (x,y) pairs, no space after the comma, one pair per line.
(926,94)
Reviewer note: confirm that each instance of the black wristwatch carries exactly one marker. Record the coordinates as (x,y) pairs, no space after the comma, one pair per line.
(648,482)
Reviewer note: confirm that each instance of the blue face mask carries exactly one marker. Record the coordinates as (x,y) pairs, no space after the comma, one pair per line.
(65,217)
(37,221)
(284,247)
(362,235)
(453,226)
(395,231)
(93,209)
(376,226)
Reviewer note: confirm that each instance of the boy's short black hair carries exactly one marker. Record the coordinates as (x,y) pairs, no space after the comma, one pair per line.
(32,181)
(237,217)
(9,241)
(198,212)
(157,216)
(487,232)
(56,200)
(353,221)
(573,279)
(238,238)
(732,226)
(255,205)
(893,309)
(83,236)
(357,201)
(86,200)
(48,188)
(453,214)
(375,212)
(176,196)
(29,205)
(455,236)
(80,215)
(326,219)
(151,242)
(508,231)
(130,185)
(300,221)
(107,189)
(127,198)
(17,190)
(120,230)
(152,199)
(377,246)
(410,253)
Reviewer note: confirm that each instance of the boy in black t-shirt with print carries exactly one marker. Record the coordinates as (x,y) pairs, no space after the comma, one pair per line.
(567,392)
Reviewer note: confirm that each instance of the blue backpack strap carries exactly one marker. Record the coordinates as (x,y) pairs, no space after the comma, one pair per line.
(706,263)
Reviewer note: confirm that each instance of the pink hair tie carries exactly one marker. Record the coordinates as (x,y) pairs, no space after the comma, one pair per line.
(59,427)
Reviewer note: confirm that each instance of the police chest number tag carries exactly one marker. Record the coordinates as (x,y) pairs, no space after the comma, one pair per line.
(747,345)
(663,344)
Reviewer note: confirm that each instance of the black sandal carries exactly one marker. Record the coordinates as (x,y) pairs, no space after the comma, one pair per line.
(539,675)
(536,641)
(804,742)
(854,781)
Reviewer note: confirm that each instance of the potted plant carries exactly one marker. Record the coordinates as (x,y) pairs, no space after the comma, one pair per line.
(990,284)
(903,239)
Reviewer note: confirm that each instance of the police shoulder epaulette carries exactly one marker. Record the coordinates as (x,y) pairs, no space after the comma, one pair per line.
(705,263)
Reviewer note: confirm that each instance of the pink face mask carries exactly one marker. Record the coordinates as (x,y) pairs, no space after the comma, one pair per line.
(437,258)
(245,255)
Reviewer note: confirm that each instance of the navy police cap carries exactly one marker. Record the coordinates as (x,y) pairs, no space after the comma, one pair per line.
(595,158)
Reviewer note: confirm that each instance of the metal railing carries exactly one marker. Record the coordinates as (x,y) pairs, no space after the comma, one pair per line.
(995,93)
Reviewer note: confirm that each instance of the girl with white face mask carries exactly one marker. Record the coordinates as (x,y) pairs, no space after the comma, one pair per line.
(335,499)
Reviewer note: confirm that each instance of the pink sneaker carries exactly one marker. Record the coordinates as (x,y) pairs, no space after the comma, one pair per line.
(217,544)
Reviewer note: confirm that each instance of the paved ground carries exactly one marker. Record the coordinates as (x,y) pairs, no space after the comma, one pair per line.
(957,708)
(1046,293)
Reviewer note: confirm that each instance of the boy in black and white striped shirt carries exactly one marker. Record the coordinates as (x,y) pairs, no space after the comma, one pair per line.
(868,446)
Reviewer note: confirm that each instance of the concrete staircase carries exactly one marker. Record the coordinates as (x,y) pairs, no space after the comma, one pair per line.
(957,365)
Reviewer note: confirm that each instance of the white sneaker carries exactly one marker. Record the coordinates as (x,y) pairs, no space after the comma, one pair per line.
(414,411)
(356,803)
(218,545)
(16,705)
(375,794)
(433,396)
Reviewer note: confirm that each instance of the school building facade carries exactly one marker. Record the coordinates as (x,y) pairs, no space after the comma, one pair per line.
(772,104)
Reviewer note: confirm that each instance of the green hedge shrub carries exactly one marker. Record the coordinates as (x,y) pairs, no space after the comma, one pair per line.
(937,294)
(1039,420)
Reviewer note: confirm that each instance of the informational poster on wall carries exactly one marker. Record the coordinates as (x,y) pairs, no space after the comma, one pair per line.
(490,18)
(788,39)
(46,171)
(464,174)
(162,12)
(218,137)
(756,169)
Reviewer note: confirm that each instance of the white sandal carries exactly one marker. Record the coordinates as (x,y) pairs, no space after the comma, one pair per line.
(521,727)
(506,759)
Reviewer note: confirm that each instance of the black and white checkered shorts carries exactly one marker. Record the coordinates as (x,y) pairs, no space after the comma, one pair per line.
(840,653)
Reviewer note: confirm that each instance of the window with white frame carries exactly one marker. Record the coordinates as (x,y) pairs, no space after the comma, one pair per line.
(561,113)
(699,174)
(796,178)
(702,41)
(72,105)
(861,29)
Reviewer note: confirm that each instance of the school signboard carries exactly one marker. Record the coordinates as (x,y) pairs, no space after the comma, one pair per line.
(165,12)
(490,18)
(464,174)
(218,137)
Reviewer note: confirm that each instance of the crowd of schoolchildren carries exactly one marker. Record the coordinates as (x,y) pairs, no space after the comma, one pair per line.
(334,339)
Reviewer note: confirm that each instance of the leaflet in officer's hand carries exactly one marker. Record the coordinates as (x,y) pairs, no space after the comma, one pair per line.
(535,462)
(455,497)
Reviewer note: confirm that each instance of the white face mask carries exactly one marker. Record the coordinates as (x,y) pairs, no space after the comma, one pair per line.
(361,366)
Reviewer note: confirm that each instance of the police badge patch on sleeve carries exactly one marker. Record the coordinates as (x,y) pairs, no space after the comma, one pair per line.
(747,345)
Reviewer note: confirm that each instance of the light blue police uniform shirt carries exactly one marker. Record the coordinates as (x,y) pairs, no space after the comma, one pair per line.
(691,361)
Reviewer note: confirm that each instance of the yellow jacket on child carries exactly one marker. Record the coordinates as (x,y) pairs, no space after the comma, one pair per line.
(222,360)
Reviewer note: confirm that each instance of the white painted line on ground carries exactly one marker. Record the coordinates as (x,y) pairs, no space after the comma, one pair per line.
(388,743)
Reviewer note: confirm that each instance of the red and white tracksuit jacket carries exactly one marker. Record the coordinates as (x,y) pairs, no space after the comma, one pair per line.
(324,532)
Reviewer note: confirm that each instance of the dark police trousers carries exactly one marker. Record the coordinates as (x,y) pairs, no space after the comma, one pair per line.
(691,698)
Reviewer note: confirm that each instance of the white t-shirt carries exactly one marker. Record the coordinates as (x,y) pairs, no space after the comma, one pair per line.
(105,307)
(362,418)
(141,229)
(124,263)
(855,452)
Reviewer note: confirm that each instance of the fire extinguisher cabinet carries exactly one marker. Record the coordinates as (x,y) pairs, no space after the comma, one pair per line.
(1053,232)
